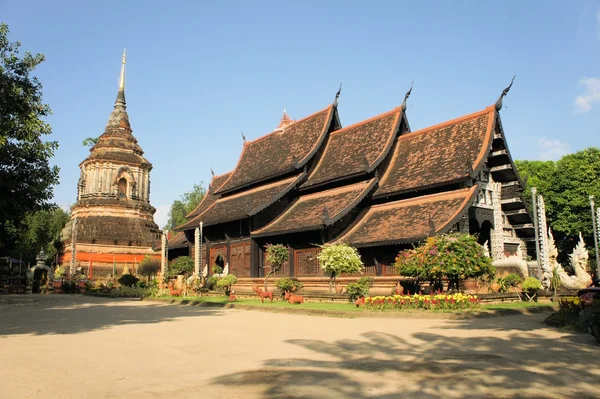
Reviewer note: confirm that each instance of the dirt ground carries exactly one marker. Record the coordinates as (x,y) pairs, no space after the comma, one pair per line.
(81,347)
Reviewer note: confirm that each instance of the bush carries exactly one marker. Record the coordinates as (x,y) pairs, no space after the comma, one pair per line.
(511,280)
(226,283)
(287,284)
(336,259)
(216,269)
(211,282)
(131,292)
(454,256)
(359,288)
(530,287)
(128,280)
(277,255)
(181,265)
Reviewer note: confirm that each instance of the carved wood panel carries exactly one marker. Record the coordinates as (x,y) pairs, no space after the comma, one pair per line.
(306,262)
(240,259)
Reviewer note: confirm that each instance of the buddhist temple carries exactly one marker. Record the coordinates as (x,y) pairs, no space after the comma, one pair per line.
(112,223)
(375,185)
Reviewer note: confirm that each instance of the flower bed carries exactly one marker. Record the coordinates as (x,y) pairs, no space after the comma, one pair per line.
(434,301)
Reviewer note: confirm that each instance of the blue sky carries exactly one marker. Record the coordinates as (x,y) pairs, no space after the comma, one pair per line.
(200,72)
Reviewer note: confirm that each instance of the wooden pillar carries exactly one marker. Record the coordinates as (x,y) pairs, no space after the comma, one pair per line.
(255,259)
(292,263)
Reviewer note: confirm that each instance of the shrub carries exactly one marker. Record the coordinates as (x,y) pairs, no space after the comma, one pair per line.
(455,256)
(336,259)
(359,288)
(510,280)
(287,284)
(128,280)
(226,283)
(181,265)
(216,269)
(530,287)
(277,255)
(211,282)
(131,292)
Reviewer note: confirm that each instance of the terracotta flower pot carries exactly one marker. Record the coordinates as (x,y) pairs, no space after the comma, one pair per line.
(339,288)
(495,287)
(399,290)
(471,285)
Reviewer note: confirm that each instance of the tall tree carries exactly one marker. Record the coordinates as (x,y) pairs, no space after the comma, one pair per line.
(182,207)
(566,186)
(26,177)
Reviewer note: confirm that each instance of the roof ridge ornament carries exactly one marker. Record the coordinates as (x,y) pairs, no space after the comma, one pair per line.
(325,216)
(431,227)
(337,96)
(504,93)
(243,137)
(404,106)
(212,172)
(120,103)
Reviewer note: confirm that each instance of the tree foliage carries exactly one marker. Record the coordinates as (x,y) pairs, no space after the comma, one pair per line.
(277,255)
(182,207)
(336,259)
(26,177)
(90,141)
(566,186)
(149,266)
(40,229)
(181,265)
(456,257)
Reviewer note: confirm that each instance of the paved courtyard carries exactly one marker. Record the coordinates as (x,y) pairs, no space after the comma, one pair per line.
(80,347)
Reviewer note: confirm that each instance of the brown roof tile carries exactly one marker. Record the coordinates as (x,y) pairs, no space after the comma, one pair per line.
(209,197)
(281,151)
(439,154)
(313,211)
(244,204)
(356,149)
(408,220)
(179,240)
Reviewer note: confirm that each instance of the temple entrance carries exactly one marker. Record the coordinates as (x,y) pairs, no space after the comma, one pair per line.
(485,232)
(123,188)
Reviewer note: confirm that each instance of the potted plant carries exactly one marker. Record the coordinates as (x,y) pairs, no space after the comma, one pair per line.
(226,282)
(57,283)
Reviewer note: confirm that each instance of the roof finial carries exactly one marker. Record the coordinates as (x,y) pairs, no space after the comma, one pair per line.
(403,106)
(337,96)
(212,172)
(121,93)
(504,92)
(243,137)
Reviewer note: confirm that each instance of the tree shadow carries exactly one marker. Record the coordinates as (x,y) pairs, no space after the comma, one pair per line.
(71,314)
(527,363)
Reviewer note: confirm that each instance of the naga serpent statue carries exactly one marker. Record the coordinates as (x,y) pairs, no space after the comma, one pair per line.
(579,259)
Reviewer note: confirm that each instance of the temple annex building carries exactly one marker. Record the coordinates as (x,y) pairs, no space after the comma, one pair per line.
(375,185)
(112,223)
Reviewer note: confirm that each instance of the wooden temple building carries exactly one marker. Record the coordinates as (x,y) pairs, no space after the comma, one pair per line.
(375,185)
(112,223)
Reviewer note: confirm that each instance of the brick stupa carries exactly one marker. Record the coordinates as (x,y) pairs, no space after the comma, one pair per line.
(112,224)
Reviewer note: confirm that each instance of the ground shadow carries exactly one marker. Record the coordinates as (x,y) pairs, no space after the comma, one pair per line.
(71,314)
(472,363)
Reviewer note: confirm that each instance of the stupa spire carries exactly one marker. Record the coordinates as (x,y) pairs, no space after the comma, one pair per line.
(285,120)
(120,103)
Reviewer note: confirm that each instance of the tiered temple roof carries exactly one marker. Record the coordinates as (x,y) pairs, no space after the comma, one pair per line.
(408,220)
(282,151)
(439,155)
(356,150)
(210,197)
(318,210)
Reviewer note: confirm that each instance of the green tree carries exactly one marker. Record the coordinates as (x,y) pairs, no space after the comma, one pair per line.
(26,177)
(149,266)
(277,255)
(90,141)
(566,186)
(336,259)
(41,229)
(181,265)
(182,207)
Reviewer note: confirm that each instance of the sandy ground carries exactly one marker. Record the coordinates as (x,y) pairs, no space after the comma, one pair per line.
(80,347)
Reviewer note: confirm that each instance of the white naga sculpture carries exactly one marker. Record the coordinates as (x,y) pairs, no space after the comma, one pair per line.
(579,259)
(513,262)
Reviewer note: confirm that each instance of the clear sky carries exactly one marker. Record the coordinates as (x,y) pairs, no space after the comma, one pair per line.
(200,72)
